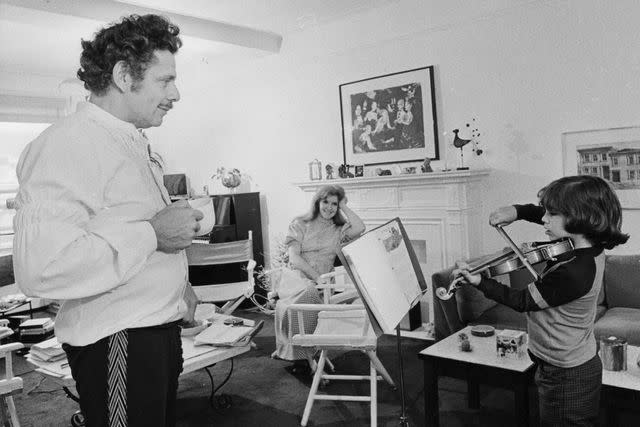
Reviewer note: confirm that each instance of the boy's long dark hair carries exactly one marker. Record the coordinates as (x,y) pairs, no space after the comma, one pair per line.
(321,194)
(590,206)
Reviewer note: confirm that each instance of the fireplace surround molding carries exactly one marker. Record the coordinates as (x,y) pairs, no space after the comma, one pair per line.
(441,212)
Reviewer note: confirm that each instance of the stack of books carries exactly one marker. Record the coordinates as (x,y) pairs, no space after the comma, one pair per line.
(49,357)
(36,330)
(5,332)
(47,351)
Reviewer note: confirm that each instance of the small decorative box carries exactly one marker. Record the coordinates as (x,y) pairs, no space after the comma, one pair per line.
(510,343)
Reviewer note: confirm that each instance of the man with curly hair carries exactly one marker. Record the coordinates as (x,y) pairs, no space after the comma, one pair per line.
(95,229)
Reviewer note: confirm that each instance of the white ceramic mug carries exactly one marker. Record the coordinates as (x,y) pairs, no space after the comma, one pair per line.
(204,205)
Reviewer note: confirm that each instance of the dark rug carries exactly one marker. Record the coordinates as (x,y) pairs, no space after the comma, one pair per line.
(267,392)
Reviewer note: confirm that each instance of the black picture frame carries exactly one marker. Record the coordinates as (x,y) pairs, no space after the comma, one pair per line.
(403,128)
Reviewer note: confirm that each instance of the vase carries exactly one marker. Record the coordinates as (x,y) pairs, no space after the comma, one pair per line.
(231,179)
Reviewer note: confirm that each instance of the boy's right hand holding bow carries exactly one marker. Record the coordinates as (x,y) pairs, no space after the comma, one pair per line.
(462,270)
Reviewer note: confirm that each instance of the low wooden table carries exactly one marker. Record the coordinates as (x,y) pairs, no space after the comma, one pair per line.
(621,389)
(481,365)
(194,358)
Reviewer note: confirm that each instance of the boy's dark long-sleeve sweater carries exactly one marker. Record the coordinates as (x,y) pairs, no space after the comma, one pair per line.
(561,305)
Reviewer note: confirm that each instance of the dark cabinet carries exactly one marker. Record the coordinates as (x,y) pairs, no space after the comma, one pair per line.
(236,215)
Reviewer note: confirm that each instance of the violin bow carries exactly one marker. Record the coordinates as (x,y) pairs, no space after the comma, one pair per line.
(517,251)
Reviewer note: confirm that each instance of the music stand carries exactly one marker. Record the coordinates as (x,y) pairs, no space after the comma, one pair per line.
(383,267)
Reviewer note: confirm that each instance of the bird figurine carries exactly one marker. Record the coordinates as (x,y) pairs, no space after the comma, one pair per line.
(459,142)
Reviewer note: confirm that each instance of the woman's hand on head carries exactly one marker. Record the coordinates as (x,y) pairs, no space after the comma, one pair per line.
(343,202)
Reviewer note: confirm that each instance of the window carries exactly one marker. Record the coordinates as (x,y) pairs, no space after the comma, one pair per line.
(22,118)
(14,136)
(630,159)
(603,157)
(631,175)
(614,161)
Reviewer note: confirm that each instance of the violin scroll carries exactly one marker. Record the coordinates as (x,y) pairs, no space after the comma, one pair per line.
(446,293)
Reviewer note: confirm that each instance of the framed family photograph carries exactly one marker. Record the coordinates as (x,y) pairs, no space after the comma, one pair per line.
(389,118)
(612,154)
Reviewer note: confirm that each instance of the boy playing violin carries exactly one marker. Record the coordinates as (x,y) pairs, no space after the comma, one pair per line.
(561,305)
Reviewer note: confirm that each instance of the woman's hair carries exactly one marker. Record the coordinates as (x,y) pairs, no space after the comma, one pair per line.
(322,194)
(590,206)
(134,40)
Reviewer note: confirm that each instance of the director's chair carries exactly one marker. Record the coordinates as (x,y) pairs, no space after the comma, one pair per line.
(340,327)
(203,257)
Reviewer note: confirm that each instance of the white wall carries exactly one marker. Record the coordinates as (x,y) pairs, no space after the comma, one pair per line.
(528,70)
(528,73)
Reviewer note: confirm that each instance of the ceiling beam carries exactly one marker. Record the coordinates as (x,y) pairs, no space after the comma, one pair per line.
(109,11)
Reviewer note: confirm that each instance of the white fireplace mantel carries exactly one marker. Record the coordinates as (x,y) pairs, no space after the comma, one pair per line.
(441,212)
(433,178)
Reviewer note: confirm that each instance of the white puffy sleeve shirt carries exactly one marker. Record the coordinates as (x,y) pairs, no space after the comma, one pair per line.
(82,236)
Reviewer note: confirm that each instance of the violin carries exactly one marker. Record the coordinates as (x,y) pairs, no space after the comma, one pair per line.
(513,259)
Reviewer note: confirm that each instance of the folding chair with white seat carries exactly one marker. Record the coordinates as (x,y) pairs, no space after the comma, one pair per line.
(336,287)
(9,386)
(340,327)
(201,254)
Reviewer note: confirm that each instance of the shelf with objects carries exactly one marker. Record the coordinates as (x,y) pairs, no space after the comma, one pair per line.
(10,303)
(15,307)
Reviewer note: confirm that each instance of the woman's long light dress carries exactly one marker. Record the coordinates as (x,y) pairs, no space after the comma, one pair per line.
(318,240)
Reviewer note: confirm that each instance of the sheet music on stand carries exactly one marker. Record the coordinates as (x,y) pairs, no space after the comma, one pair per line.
(386,273)
(385,270)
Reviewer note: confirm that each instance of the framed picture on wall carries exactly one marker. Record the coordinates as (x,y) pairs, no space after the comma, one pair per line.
(613,154)
(389,118)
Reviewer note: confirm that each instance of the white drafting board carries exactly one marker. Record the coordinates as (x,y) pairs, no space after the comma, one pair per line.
(386,273)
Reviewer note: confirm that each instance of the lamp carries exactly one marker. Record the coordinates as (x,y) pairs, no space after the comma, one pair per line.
(315,170)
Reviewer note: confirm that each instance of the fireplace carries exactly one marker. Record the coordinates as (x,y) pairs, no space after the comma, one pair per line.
(441,212)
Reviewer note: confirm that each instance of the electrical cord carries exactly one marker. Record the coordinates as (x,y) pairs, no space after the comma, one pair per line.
(223,402)
(261,307)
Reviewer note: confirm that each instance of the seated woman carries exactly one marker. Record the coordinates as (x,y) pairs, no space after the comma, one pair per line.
(312,242)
